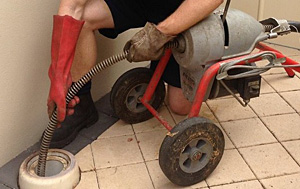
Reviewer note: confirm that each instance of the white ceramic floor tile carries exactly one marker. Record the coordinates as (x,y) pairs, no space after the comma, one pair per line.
(265,87)
(269,160)
(229,109)
(285,127)
(282,82)
(150,143)
(232,168)
(270,104)
(204,112)
(153,123)
(85,159)
(297,59)
(131,176)
(248,132)
(292,98)
(161,181)
(111,152)
(241,185)
(178,118)
(285,50)
(284,182)
(270,71)
(88,181)
(120,128)
(294,148)
(228,143)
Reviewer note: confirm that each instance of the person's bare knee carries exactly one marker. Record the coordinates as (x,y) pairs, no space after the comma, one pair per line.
(177,101)
(97,15)
(72,8)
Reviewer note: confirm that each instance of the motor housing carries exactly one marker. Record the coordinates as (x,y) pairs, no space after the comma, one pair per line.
(211,41)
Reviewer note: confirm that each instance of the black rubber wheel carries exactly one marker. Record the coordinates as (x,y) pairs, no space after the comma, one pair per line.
(191,151)
(127,92)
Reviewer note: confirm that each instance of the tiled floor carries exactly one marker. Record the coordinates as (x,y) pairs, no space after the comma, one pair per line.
(262,147)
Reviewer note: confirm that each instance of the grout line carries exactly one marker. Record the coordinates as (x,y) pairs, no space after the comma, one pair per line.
(276,177)
(149,131)
(238,119)
(291,140)
(117,136)
(220,123)
(275,135)
(124,165)
(286,100)
(95,170)
(280,142)
(259,117)
(256,145)
(144,161)
(234,182)
(272,115)
(283,46)
(172,116)
(248,180)
(278,92)
(280,175)
(6,185)
(236,147)
(294,90)
(119,166)
(275,115)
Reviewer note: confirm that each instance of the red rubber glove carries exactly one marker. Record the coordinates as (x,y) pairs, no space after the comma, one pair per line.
(65,35)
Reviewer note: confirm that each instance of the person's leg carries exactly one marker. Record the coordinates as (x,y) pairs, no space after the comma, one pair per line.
(96,15)
(177,101)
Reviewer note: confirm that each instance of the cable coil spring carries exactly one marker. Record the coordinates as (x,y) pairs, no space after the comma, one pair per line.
(46,139)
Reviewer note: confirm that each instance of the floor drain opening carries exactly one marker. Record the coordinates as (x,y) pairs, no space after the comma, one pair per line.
(55,164)
(53,168)
(62,171)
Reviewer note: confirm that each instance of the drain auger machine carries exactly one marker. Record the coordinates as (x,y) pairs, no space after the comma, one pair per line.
(216,59)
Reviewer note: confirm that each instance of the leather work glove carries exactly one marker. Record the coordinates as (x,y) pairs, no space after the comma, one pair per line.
(147,44)
(65,34)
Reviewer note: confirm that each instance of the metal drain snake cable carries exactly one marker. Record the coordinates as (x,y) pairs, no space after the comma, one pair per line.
(47,136)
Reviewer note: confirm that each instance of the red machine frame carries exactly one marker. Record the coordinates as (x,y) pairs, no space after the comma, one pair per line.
(209,74)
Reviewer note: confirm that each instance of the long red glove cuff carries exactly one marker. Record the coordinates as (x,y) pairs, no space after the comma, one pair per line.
(65,35)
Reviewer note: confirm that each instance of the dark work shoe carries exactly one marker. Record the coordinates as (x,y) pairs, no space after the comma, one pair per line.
(85,115)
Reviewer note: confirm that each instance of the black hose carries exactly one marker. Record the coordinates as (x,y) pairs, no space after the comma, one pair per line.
(71,93)
(295,26)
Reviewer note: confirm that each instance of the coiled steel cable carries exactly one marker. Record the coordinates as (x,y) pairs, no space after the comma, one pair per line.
(268,28)
(294,26)
(46,139)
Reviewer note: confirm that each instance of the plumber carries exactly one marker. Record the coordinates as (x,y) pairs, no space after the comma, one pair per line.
(74,50)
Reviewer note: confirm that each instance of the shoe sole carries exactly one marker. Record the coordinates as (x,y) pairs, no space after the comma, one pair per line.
(85,124)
